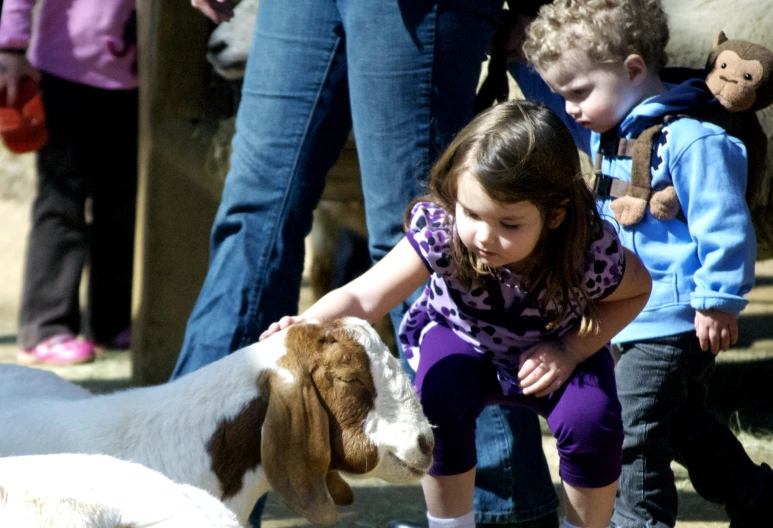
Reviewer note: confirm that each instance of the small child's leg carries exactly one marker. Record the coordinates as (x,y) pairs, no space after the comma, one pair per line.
(586,421)
(588,507)
(449,496)
(453,382)
(465,521)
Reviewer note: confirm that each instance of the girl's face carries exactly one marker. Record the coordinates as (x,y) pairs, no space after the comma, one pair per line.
(500,234)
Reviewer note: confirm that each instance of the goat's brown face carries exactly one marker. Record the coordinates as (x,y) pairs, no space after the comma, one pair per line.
(340,371)
(339,401)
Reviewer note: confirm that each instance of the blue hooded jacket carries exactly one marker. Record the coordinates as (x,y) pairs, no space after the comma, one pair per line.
(708,261)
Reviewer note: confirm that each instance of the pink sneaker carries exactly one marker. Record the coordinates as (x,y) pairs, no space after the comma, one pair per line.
(62,349)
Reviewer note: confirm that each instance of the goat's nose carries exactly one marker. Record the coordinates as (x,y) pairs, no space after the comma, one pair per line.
(217,47)
(426,444)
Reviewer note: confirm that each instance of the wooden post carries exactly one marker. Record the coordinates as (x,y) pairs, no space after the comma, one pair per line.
(176,199)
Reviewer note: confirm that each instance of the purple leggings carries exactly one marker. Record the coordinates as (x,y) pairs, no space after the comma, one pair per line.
(455,383)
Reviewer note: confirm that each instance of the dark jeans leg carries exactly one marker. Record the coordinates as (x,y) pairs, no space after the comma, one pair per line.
(719,468)
(114,192)
(512,481)
(662,387)
(652,388)
(91,151)
(57,244)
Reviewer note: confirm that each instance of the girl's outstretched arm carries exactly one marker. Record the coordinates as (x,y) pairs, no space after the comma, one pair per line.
(372,294)
(546,367)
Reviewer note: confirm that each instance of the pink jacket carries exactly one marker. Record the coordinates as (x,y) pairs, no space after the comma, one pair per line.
(91,42)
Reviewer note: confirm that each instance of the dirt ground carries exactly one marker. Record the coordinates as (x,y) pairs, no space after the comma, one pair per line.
(739,391)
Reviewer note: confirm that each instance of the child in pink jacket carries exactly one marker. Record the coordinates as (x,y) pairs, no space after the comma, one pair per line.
(83,52)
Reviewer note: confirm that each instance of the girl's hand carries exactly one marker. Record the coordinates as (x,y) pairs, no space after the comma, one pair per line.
(215,10)
(545,367)
(14,66)
(283,323)
(716,330)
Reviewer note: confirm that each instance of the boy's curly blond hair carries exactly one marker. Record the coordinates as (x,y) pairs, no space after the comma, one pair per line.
(607,30)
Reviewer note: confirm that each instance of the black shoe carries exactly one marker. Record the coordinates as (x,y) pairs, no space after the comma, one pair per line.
(404,524)
(755,514)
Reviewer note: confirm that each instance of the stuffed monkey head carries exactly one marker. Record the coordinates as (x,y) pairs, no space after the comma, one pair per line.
(740,74)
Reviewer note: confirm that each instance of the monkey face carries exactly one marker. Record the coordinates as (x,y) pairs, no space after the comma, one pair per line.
(734,81)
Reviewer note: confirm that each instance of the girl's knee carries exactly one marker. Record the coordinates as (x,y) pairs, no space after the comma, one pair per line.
(589,440)
(446,401)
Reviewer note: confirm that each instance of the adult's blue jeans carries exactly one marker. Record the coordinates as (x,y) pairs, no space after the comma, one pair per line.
(662,385)
(402,74)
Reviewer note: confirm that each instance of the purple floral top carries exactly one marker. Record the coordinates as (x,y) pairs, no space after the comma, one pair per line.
(494,319)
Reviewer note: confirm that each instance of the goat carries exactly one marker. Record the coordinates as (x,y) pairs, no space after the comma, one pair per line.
(98,491)
(288,413)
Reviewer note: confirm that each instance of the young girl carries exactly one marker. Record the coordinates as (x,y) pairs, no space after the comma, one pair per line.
(84,53)
(526,286)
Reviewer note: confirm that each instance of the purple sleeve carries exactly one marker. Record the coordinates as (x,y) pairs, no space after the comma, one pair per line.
(606,264)
(429,235)
(16,23)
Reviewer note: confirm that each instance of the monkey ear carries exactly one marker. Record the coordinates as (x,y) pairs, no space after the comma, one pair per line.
(720,38)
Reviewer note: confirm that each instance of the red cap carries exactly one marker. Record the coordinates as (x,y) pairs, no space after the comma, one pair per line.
(23,125)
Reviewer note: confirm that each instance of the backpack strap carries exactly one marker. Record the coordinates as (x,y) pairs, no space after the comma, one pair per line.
(602,184)
(641,163)
(632,198)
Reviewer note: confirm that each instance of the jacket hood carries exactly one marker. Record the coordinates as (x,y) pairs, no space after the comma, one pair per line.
(690,97)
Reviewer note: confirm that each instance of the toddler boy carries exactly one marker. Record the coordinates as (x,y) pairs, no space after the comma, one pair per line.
(604,57)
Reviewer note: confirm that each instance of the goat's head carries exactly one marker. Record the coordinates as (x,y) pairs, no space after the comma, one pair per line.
(339,402)
(229,44)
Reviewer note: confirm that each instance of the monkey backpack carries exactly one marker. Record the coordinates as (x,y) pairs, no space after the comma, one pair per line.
(740,78)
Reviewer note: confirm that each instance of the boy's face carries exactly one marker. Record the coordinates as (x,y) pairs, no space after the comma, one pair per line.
(598,95)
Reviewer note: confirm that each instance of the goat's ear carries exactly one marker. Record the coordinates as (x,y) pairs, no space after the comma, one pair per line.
(339,489)
(295,448)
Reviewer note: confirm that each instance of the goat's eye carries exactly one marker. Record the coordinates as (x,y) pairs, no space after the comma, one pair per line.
(349,380)
(723,65)
(747,76)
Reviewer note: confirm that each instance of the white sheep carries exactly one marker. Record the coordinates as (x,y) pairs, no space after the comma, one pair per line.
(229,44)
(98,491)
(287,414)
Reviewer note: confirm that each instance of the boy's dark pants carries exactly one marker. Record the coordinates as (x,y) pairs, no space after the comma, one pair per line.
(662,386)
(91,152)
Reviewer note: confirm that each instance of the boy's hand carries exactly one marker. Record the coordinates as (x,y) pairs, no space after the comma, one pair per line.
(14,66)
(545,367)
(215,10)
(283,323)
(716,330)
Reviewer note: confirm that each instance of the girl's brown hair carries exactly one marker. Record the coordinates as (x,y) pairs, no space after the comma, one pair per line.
(521,151)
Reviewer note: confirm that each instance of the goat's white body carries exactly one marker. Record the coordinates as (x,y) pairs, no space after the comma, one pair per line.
(153,426)
(98,491)
(167,427)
